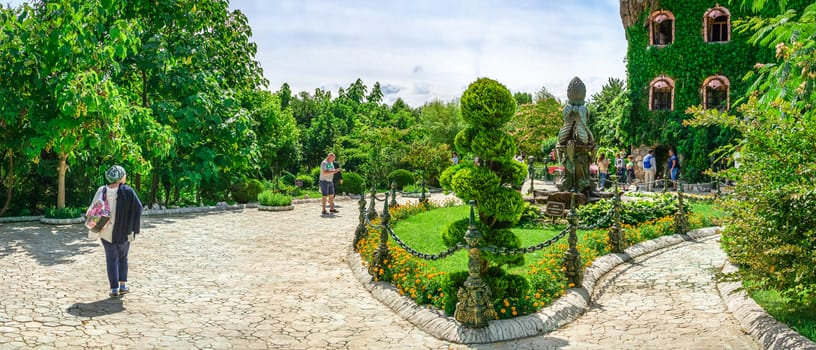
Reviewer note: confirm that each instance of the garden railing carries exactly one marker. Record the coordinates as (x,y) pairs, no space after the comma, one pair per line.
(475,308)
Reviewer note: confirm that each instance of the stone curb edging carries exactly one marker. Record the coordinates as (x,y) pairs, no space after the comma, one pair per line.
(276,207)
(564,310)
(68,221)
(188,210)
(21,218)
(318,199)
(772,334)
(158,212)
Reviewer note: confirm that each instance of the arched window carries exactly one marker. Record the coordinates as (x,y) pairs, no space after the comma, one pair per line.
(715,93)
(661,94)
(717,25)
(661,28)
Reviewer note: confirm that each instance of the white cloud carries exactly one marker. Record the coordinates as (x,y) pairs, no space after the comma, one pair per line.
(435,49)
(428,49)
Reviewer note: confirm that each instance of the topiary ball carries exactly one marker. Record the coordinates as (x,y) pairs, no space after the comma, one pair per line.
(487,104)
(463,139)
(472,183)
(493,145)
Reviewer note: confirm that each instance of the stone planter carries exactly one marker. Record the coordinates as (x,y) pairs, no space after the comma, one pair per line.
(276,208)
(53,221)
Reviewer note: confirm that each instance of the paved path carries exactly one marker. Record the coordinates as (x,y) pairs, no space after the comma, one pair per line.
(259,280)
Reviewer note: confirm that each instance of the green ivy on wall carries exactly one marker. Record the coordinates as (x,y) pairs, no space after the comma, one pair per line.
(689,60)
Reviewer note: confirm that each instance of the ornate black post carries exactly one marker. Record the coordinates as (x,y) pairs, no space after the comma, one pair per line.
(378,263)
(372,210)
(617,238)
(361,230)
(681,224)
(531,174)
(572,258)
(474,308)
(393,194)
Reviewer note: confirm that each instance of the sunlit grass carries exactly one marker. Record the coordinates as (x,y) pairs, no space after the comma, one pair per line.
(423,232)
(802,320)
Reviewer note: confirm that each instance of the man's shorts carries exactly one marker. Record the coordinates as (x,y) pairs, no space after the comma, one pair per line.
(326,188)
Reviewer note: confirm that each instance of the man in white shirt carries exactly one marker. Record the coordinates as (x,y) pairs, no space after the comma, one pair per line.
(327,189)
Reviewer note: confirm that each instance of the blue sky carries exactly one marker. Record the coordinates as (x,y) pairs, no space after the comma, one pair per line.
(422,50)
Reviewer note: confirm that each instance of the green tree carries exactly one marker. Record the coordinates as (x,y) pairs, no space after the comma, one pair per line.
(533,123)
(441,121)
(193,67)
(276,132)
(72,108)
(771,233)
(522,98)
(607,109)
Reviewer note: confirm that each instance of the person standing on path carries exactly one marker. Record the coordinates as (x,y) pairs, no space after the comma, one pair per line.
(327,172)
(337,178)
(620,168)
(603,169)
(630,169)
(649,170)
(121,229)
(674,168)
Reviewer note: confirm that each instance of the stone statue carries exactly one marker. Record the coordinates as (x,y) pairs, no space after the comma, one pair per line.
(576,146)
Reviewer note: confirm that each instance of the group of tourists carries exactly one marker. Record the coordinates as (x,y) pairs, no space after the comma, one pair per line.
(625,169)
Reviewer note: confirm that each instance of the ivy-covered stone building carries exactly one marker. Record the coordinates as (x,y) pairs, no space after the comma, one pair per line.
(685,53)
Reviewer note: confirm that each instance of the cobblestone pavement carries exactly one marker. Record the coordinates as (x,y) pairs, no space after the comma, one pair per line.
(256,280)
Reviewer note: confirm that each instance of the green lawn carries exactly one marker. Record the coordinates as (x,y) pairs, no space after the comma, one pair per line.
(423,232)
(800,319)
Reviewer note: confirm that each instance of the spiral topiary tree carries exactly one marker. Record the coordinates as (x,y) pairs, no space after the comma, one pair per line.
(486,106)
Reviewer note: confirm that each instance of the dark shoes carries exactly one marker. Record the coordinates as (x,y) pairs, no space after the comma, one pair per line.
(334,211)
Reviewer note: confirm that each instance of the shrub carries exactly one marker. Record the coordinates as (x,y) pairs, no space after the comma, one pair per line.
(315,172)
(455,232)
(352,183)
(512,172)
(274,199)
(487,103)
(287,178)
(450,286)
(632,213)
(503,238)
(308,180)
(447,175)
(64,213)
(402,178)
(504,285)
(471,182)
(246,190)
(502,204)
(486,106)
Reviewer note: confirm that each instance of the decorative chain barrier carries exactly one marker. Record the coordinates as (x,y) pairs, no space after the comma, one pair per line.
(371,224)
(530,249)
(474,307)
(424,256)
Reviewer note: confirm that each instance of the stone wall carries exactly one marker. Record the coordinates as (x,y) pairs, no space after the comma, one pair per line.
(631,9)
